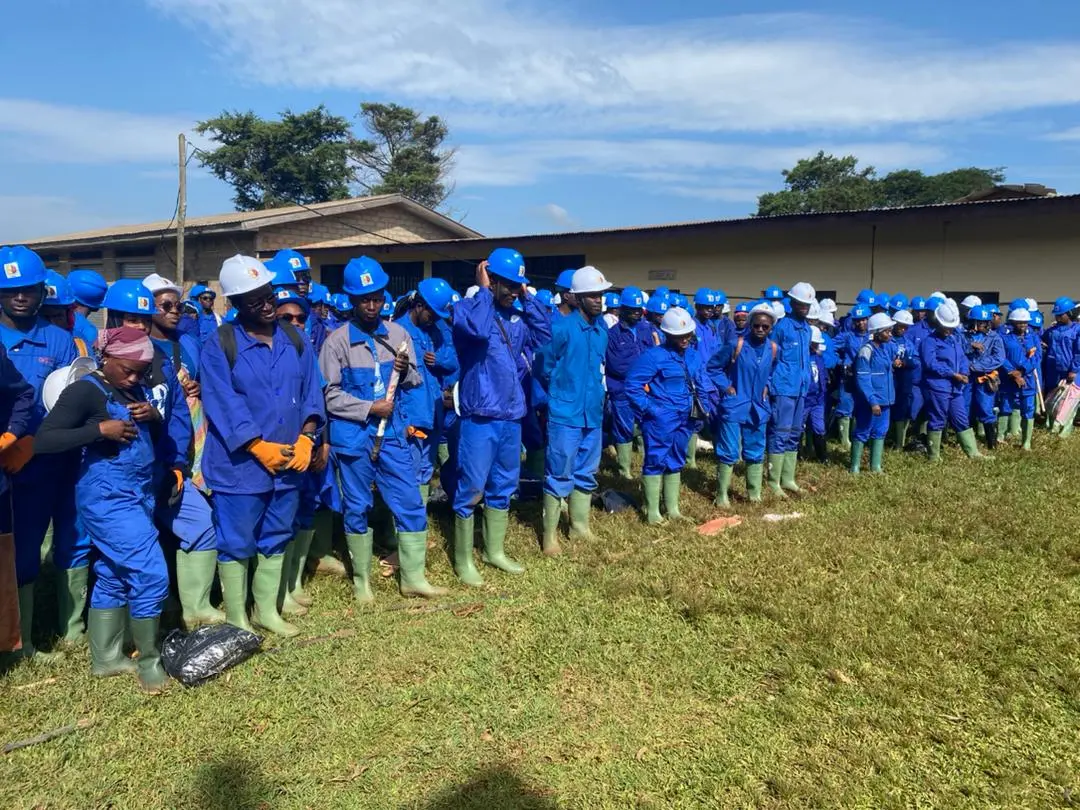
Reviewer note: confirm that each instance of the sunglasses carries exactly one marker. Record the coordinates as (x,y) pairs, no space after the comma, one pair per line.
(260,303)
(298,319)
(170,306)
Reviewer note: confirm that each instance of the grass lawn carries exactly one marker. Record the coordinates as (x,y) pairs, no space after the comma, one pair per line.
(910,641)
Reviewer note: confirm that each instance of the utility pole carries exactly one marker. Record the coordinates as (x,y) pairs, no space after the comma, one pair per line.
(181,212)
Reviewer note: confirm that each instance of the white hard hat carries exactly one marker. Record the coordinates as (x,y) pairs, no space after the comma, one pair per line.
(904,317)
(645,297)
(473,290)
(815,311)
(588,280)
(816,336)
(778,309)
(828,305)
(676,321)
(947,316)
(939,294)
(1020,316)
(727,308)
(60,379)
(156,284)
(879,322)
(763,307)
(531,290)
(971,301)
(803,293)
(242,274)
(1033,305)
(826,318)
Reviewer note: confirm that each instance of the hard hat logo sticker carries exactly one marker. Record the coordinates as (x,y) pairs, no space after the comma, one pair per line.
(144,303)
(253,272)
(11,270)
(365,279)
(294,262)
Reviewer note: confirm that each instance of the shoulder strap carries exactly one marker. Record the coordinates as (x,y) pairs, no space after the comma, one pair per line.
(227,338)
(738,348)
(293,336)
(176,360)
(80,347)
(775,348)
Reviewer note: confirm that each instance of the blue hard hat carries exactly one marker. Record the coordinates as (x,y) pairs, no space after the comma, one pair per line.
(1037,319)
(200,289)
(288,263)
(774,293)
(705,297)
(22,268)
(745,306)
(230,316)
(509,265)
(719,297)
(611,300)
(918,304)
(993,309)
(658,304)
(518,305)
(364,276)
(546,297)
(292,297)
(565,280)
(631,298)
(1018,303)
(883,299)
(865,296)
(437,294)
(131,296)
(341,302)
(57,290)
(980,313)
(387,310)
(1064,305)
(319,294)
(88,287)
(934,301)
(898,302)
(860,311)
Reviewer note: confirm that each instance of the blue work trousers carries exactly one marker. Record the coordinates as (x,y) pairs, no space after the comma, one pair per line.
(728,438)
(571,460)
(129,565)
(947,408)
(489,463)
(786,425)
(250,524)
(394,475)
(191,520)
(666,442)
(868,426)
(44,491)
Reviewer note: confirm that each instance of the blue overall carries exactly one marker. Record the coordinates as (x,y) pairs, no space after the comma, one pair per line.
(208,324)
(571,369)
(423,404)
(942,357)
(624,347)
(817,397)
(847,346)
(649,336)
(85,330)
(44,490)
(16,411)
(490,342)
(909,380)
(270,393)
(874,385)
(984,363)
(1021,354)
(660,396)
(115,498)
(534,425)
(742,418)
(790,383)
(1062,353)
(448,432)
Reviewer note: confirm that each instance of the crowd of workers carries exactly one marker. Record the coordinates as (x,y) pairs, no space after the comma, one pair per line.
(180,444)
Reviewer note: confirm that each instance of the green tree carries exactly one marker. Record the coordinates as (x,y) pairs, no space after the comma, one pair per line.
(404,154)
(302,158)
(826,183)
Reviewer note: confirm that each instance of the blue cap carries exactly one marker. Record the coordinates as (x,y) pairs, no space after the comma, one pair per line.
(437,294)
(292,297)
(288,263)
(508,265)
(57,290)
(364,276)
(883,299)
(631,298)
(719,297)
(131,296)
(705,297)
(860,311)
(865,296)
(934,301)
(21,268)
(658,304)
(88,287)
(993,309)
(565,280)
(774,293)
(1064,305)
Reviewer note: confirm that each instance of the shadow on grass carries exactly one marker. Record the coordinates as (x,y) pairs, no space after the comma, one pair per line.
(494,788)
(232,783)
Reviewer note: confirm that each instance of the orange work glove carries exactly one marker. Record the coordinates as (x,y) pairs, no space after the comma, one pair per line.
(17,455)
(301,459)
(6,440)
(273,456)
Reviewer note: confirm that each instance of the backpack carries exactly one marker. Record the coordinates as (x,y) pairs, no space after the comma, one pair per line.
(739,345)
(227,336)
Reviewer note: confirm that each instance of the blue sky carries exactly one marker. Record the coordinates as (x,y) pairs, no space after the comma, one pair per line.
(565,115)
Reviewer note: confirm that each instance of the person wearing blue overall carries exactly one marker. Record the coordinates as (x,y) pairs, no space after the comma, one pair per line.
(448,430)
(1021,364)
(741,371)
(908,378)
(1062,360)
(88,287)
(359,364)
(490,336)
(791,381)
(436,360)
(875,393)
(571,369)
(16,413)
(108,417)
(706,344)
(208,319)
(986,356)
(623,349)
(672,396)
(848,343)
(319,324)
(648,328)
(722,326)
(42,488)
(264,405)
(822,361)
(291,271)
(946,371)
(740,319)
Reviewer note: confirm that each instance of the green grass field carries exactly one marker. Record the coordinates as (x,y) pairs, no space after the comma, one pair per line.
(911,641)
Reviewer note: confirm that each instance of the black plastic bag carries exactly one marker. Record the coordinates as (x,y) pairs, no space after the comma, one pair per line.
(614,501)
(197,657)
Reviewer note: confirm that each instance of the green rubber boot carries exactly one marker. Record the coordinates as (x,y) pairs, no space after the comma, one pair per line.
(552,513)
(900,431)
(672,491)
(152,677)
(623,455)
(105,629)
(844,425)
(1027,428)
(787,475)
(194,578)
(288,606)
(534,464)
(264,588)
(691,452)
(933,438)
(412,556)
(754,475)
(1015,429)
(580,509)
(776,470)
(877,449)
(856,457)
(1067,429)
(1003,428)
(360,554)
(425,493)
(970,446)
(71,601)
(723,484)
(26,627)
(464,542)
(295,573)
(234,591)
(652,485)
(496,522)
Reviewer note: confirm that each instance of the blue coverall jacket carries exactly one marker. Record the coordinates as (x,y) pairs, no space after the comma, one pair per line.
(570,368)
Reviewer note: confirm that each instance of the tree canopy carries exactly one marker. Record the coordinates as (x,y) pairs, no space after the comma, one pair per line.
(314,156)
(828,183)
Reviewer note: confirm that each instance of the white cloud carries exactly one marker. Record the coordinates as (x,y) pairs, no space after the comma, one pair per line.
(28,217)
(555,214)
(736,73)
(1072,134)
